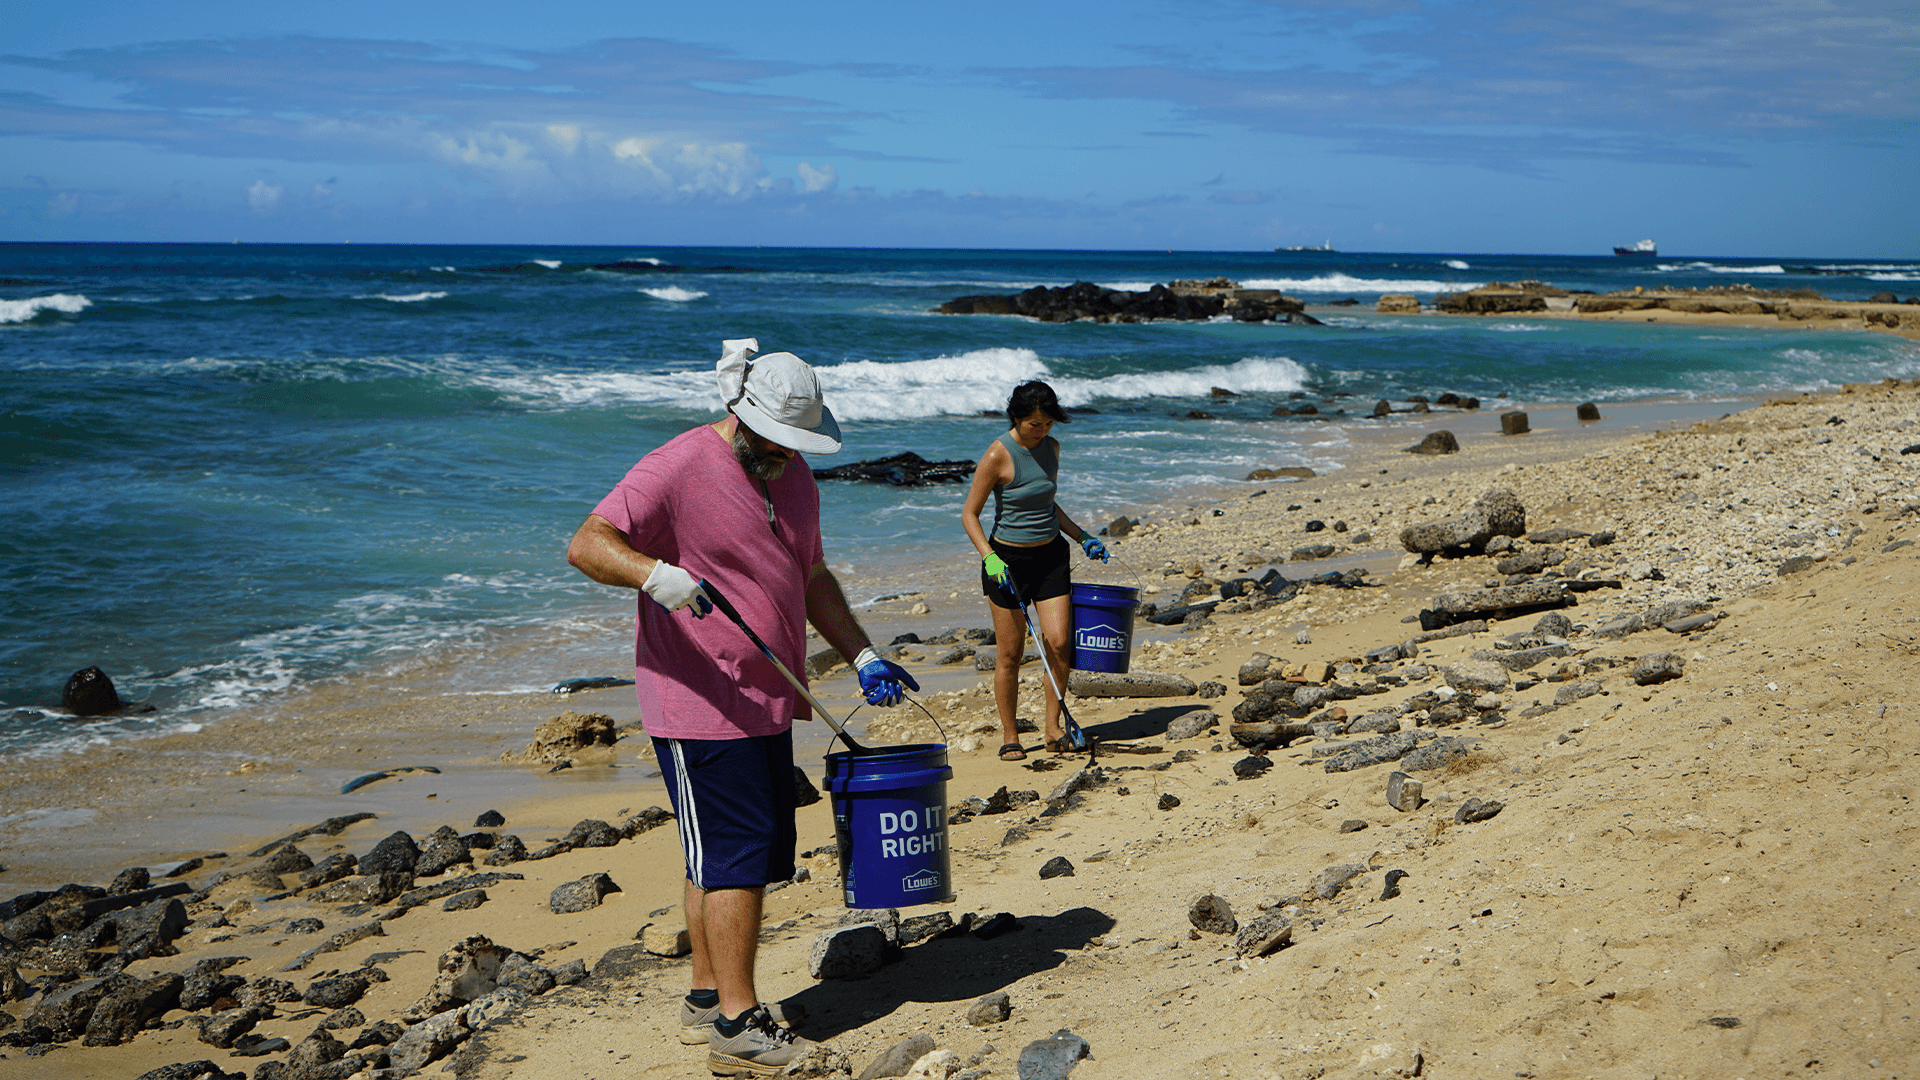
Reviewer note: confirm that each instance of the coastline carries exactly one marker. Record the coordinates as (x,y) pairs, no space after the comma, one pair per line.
(1698,309)
(269,769)
(1655,868)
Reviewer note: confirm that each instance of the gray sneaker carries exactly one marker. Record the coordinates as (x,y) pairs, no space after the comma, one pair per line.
(697,1024)
(762,1048)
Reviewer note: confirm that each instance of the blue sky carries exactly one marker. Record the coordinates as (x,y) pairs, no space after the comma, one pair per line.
(1776,127)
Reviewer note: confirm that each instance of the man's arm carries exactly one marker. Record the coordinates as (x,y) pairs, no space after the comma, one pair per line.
(827,610)
(882,682)
(602,552)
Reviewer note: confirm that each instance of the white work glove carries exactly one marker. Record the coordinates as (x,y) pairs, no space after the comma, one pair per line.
(673,588)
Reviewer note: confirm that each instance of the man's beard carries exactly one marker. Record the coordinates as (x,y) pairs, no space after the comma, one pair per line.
(760,466)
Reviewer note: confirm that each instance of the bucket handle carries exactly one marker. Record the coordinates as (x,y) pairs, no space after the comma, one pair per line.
(937,725)
(1139,583)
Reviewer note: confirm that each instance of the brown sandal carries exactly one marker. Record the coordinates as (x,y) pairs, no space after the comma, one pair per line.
(1013,751)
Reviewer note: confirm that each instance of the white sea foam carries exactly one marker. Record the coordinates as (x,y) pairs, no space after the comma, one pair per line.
(404,298)
(1346,283)
(674,294)
(1716,268)
(19,311)
(551,264)
(1131,286)
(1456,264)
(1889,275)
(962,385)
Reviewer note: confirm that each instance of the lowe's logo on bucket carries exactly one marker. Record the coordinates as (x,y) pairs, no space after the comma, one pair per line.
(925,831)
(925,879)
(1101,638)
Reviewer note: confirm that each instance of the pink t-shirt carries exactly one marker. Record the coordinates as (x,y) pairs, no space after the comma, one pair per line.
(689,502)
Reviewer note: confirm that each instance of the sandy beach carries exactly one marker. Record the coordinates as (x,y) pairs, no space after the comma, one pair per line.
(1707,876)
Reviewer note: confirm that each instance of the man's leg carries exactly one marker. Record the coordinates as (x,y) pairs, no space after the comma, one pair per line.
(723,926)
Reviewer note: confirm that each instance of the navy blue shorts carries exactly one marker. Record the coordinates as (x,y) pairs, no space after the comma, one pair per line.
(734,799)
(1040,572)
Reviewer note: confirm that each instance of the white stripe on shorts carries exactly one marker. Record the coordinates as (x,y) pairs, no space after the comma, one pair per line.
(689,818)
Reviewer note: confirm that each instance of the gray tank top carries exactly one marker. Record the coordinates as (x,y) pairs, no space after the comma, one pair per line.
(1023,507)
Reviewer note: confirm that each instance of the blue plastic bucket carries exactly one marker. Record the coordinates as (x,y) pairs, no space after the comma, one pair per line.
(1103,626)
(890,819)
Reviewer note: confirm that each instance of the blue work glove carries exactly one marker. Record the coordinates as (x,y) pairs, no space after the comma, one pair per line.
(1093,547)
(673,588)
(882,682)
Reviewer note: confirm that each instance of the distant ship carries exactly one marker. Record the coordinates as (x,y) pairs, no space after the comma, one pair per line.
(1644,248)
(1324,249)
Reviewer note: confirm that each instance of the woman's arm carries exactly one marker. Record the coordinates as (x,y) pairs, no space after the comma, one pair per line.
(1074,532)
(994,470)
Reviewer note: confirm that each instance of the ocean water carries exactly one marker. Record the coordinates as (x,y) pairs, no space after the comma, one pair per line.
(231,471)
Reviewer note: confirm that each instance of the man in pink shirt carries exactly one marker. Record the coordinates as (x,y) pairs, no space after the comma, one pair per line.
(734,504)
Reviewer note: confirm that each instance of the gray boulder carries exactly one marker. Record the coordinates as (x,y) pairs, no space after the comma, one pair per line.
(1327,883)
(1190,724)
(1658,668)
(123,1013)
(898,1058)
(520,972)
(397,853)
(581,895)
(440,854)
(1263,935)
(427,1040)
(848,952)
(150,930)
(1436,753)
(1092,684)
(1213,915)
(66,1011)
(1568,693)
(287,859)
(1478,677)
(1052,1058)
(1496,513)
(990,1009)
(592,832)
(222,1028)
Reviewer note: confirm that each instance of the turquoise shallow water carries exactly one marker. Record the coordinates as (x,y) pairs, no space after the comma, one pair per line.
(231,471)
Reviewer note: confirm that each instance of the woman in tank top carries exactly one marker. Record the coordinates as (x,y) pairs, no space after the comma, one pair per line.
(1027,546)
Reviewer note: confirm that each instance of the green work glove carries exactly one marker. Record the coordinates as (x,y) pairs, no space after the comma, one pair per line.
(997,570)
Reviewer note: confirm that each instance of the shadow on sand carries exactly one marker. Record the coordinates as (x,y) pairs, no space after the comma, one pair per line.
(957,969)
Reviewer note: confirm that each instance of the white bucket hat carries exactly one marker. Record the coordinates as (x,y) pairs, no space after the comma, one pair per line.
(778,396)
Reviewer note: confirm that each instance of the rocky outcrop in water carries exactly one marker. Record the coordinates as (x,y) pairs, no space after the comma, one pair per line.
(901,470)
(1183,300)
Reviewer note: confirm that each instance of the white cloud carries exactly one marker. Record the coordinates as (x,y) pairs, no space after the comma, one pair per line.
(820,179)
(263,197)
(579,160)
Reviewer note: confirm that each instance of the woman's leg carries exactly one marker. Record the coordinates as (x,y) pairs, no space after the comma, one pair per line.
(1010,634)
(1055,615)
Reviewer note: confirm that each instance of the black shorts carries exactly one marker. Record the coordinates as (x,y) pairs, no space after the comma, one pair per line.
(1039,572)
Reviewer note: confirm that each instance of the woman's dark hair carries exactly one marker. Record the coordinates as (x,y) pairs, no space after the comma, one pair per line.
(1032,395)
